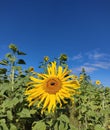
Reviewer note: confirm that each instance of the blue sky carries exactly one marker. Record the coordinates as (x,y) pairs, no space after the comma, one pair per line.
(78,28)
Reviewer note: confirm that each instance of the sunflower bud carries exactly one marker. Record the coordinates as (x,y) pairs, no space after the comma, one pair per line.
(13,47)
(63,57)
(31,69)
(46,58)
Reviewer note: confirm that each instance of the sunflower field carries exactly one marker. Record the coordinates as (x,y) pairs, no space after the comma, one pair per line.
(53,99)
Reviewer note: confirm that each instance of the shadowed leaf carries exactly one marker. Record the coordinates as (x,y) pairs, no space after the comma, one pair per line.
(20,61)
(21,53)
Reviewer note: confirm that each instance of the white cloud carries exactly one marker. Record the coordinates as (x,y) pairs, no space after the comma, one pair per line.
(92,61)
(103,65)
(95,55)
(87,69)
(77,57)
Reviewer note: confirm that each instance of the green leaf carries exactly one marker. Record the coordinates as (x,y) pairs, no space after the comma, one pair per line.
(8,55)
(9,115)
(3,124)
(84,109)
(13,127)
(15,101)
(99,127)
(56,126)
(9,103)
(13,47)
(63,57)
(21,53)
(63,122)
(61,126)
(21,61)
(64,118)
(3,70)
(39,125)
(4,62)
(32,112)
(24,113)
(90,113)
(72,127)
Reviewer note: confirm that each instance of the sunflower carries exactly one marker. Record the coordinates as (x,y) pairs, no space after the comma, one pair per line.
(51,88)
(31,69)
(98,82)
(46,58)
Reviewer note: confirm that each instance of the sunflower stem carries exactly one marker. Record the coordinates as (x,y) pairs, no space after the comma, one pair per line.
(12,77)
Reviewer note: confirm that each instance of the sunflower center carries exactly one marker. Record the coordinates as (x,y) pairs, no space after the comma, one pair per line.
(53,85)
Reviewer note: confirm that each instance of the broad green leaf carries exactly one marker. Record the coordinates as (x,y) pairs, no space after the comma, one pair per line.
(84,109)
(7,104)
(21,61)
(9,115)
(56,126)
(32,111)
(64,118)
(13,127)
(99,127)
(10,103)
(3,70)
(90,113)
(8,55)
(39,125)
(21,53)
(24,113)
(61,126)
(15,101)
(72,127)
(4,62)
(3,124)
(3,88)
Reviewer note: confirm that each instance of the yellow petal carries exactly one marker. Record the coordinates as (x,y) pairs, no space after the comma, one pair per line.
(36,80)
(52,103)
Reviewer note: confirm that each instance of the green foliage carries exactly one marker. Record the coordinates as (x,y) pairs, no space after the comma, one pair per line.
(90,111)
(38,125)
(63,57)
(13,47)
(4,62)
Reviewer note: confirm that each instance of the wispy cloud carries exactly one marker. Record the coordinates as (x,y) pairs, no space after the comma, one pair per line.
(87,68)
(77,57)
(95,55)
(103,65)
(92,61)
